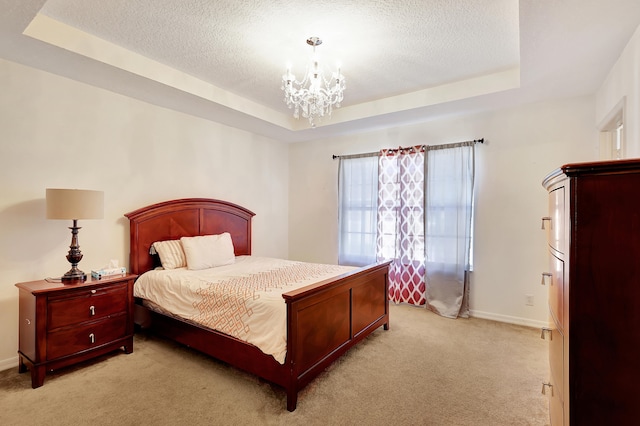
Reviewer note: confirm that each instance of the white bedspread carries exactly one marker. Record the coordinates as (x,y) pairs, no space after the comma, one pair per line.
(243,299)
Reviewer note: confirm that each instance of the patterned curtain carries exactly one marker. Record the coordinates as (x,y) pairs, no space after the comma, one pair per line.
(400,236)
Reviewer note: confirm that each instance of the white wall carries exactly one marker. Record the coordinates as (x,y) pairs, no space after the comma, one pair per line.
(623,82)
(58,133)
(522,145)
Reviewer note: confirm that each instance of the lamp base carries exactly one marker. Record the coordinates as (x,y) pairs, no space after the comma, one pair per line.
(74,276)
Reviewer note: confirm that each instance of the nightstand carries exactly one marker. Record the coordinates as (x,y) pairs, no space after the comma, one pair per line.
(63,324)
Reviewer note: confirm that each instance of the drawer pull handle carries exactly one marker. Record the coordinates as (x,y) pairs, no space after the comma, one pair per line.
(92,338)
(545,386)
(92,309)
(545,219)
(93,292)
(546,331)
(546,275)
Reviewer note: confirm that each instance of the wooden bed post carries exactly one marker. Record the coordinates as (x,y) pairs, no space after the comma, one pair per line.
(292,337)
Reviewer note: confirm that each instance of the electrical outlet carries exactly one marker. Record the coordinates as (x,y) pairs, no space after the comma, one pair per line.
(528,299)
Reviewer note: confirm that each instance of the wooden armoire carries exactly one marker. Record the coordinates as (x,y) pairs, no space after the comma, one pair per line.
(593,231)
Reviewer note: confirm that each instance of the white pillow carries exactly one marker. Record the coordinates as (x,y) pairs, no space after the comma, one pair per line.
(171,254)
(208,251)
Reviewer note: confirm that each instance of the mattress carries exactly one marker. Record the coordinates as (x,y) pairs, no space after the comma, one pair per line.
(243,299)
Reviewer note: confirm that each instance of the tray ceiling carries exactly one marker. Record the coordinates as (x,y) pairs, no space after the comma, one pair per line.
(405,61)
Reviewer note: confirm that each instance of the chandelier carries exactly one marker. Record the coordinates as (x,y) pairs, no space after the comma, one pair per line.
(315,95)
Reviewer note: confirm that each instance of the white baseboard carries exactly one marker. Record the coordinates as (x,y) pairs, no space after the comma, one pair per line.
(509,319)
(6,364)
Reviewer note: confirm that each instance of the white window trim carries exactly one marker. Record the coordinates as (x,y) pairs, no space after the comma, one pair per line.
(612,133)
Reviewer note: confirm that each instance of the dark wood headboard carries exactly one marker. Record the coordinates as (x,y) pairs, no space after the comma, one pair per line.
(186,217)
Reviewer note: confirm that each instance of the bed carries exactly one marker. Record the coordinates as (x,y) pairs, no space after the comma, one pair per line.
(323,319)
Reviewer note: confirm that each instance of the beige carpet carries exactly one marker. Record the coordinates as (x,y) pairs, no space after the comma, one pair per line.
(425,370)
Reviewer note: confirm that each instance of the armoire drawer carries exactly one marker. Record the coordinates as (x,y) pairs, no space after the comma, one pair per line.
(556,226)
(554,388)
(556,405)
(556,359)
(555,283)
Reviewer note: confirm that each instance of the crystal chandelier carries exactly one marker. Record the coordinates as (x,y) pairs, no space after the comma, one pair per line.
(315,96)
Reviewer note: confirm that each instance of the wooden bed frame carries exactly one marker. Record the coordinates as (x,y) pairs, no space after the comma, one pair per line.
(324,320)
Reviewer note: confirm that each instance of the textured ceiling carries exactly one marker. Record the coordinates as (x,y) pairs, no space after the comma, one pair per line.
(405,61)
(385,48)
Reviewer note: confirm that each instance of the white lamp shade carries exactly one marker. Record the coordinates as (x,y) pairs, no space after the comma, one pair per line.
(73,204)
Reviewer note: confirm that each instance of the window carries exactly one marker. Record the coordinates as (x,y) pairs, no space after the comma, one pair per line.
(358,199)
(401,206)
(450,205)
(414,207)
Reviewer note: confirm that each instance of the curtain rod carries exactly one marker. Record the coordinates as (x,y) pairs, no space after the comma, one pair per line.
(376,153)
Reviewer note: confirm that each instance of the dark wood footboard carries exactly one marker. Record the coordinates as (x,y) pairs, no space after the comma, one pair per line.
(326,319)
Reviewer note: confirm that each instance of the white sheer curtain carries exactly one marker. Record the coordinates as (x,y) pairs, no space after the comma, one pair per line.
(449,218)
(357,209)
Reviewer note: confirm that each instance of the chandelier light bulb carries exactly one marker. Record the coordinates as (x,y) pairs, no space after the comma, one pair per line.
(314,96)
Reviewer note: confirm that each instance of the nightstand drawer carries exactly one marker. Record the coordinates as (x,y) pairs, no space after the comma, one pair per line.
(76,339)
(86,305)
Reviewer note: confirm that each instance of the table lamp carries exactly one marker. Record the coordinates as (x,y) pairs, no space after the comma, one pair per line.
(74,204)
